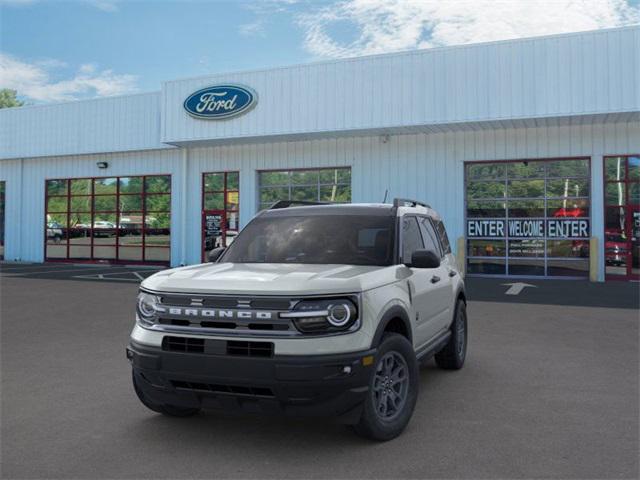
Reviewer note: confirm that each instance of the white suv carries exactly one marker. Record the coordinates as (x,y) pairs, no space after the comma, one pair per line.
(313,310)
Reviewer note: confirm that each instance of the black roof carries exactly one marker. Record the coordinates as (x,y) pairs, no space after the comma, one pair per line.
(368,209)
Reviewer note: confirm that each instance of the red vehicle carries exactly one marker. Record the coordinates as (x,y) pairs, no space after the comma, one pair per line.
(569,212)
(615,247)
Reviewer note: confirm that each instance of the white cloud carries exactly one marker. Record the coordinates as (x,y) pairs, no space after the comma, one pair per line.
(34,80)
(391,25)
(252,29)
(104,5)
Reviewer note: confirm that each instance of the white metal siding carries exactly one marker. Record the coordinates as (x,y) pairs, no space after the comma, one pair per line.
(112,124)
(558,76)
(25,196)
(422,166)
(11,174)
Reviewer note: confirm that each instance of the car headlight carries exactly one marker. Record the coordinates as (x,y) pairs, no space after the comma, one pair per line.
(147,307)
(324,316)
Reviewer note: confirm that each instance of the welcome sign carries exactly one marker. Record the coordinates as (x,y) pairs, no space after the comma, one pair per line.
(528,228)
(220,102)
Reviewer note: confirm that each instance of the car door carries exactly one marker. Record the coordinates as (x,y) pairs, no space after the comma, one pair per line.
(441,297)
(422,285)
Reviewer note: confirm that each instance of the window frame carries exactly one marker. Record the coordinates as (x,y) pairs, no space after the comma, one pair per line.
(628,208)
(289,185)
(506,178)
(225,211)
(145,248)
(442,236)
(435,239)
(401,235)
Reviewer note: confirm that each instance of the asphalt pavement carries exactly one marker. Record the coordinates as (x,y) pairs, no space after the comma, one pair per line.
(550,390)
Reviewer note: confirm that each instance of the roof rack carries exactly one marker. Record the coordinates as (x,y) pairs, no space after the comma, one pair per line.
(405,202)
(294,203)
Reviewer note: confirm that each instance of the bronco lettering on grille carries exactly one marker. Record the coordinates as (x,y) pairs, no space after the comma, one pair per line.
(213,313)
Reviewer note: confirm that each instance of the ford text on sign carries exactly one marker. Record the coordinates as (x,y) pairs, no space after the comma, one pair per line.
(524,228)
(220,102)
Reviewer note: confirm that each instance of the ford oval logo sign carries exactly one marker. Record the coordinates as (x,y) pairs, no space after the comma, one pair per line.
(220,102)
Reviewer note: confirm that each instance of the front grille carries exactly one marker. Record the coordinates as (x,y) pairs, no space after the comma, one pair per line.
(228,389)
(257,303)
(263,326)
(188,300)
(217,347)
(228,316)
(183,344)
(250,349)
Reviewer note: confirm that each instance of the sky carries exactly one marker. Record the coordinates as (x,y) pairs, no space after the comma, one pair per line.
(54,50)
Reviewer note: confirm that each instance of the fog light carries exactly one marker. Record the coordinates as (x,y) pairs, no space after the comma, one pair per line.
(129,354)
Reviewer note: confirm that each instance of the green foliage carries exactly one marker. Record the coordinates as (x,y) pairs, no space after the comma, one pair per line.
(326,185)
(8,98)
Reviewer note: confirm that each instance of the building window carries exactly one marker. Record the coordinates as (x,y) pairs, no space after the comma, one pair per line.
(323,185)
(220,209)
(528,218)
(622,217)
(116,219)
(2,187)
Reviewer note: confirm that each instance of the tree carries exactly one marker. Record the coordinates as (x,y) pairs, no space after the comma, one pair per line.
(8,98)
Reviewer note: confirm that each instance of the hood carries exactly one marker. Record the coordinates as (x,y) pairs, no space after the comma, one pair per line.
(270,279)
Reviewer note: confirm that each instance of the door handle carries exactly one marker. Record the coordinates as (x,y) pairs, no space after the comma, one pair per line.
(452,273)
(435,279)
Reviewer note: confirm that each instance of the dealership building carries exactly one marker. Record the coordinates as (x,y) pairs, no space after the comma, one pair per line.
(529,149)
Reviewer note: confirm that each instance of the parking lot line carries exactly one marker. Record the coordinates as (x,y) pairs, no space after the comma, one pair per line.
(113,276)
(101,277)
(59,270)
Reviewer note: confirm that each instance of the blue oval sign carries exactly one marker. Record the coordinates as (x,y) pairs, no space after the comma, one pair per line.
(220,101)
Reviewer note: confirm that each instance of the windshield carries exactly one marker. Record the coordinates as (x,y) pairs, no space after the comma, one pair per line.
(324,239)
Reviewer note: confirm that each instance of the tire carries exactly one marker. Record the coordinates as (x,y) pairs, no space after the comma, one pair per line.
(169,410)
(379,425)
(452,356)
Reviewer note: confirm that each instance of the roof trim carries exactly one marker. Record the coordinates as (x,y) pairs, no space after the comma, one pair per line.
(403,53)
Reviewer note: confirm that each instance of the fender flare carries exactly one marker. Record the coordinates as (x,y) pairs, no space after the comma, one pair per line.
(395,311)
(461,294)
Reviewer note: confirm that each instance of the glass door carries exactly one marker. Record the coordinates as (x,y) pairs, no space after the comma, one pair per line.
(220,203)
(622,217)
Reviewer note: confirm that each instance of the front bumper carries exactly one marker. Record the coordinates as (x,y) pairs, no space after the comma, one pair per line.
(308,385)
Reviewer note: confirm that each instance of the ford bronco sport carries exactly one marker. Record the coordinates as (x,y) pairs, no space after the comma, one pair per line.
(313,310)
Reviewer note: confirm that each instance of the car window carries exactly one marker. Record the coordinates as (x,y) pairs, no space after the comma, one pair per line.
(411,238)
(442,233)
(429,235)
(315,239)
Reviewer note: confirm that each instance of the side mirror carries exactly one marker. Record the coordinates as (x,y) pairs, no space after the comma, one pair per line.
(424,259)
(214,254)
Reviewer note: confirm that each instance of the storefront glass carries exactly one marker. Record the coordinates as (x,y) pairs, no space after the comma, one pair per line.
(220,209)
(116,219)
(622,217)
(528,218)
(318,185)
